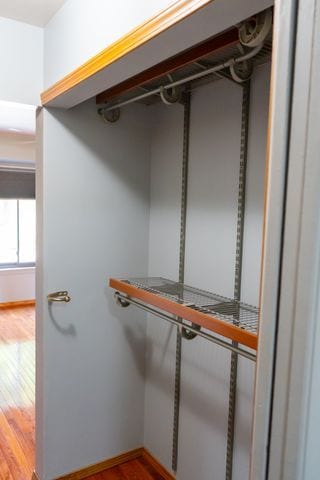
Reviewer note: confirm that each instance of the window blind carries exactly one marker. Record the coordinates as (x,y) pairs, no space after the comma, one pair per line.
(17,184)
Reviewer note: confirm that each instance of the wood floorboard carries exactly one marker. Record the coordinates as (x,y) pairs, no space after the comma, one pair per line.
(135,471)
(17,392)
(17,414)
(138,469)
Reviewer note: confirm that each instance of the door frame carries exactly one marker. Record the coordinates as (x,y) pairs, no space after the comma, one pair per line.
(286,365)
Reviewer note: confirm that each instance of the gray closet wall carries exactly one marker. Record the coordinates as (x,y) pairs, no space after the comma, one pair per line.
(90,353)
(210,256)
(100,390)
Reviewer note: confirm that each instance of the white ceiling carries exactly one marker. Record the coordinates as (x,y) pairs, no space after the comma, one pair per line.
(35,12)
(17,132)
(16,118)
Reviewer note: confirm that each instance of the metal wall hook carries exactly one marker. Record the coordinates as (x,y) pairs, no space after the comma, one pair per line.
(254,31)
(120,300)
(172,95)
(60,296)
(109,116)
(188,334)
(241,72)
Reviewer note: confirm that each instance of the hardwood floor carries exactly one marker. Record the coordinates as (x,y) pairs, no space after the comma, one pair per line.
(17,415)
(138,469)
(17,391)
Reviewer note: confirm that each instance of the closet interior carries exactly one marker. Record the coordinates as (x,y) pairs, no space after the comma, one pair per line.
(233,65)
(172,162)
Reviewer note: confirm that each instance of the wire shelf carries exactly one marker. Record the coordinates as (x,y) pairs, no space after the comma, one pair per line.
(236,320)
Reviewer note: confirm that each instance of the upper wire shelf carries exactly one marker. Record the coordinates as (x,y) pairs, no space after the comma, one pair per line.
(227,317)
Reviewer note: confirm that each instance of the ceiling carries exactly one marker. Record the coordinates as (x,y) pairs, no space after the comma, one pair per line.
(16,118)
(17,132)
(35,12)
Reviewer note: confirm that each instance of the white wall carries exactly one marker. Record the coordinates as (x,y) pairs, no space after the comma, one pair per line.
(21,53)
(81,29)
(210,255)
(17,284)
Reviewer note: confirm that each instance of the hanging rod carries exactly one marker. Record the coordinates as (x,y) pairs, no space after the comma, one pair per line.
(244,353)
(195,76)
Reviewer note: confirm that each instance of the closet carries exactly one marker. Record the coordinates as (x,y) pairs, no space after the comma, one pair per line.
(152,198)
(213,243)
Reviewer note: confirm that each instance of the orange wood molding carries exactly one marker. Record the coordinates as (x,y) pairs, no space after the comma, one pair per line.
(101,466)
(207,321)
(157,466)
(148,30)
(21,303)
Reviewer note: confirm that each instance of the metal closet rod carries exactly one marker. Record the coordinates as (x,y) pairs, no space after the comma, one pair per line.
(216,68)
(200,333)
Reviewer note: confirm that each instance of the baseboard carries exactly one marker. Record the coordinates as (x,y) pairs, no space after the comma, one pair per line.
(113,462)
(101,466)
(20,303)
(156,465)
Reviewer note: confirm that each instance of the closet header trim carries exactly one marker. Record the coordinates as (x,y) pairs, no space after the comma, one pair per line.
(148,30)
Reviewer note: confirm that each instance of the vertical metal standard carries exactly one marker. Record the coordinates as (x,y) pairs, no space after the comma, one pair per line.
(238,271)
(183,215)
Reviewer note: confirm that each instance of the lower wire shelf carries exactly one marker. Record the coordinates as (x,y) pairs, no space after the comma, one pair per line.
(226,317)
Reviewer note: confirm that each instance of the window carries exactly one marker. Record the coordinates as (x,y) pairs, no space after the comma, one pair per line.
(17,233)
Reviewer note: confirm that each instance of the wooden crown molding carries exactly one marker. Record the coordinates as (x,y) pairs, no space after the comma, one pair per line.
(148,30)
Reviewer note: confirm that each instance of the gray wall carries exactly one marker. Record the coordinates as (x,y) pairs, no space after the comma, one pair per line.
(93,223)
(104,212)
(210,255)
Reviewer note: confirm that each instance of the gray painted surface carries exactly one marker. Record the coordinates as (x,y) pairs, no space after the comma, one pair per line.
(277,155)
(166,155)
(95,201)
(100,390)
(210,253)
(294,436)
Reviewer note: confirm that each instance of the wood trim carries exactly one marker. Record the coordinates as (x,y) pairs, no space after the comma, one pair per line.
(105,465)
(156,465)
(21,303)
(113,462)
(207,321)
(148,30)
(219,42)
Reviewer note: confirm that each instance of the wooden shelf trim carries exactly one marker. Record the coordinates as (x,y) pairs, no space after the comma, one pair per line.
(148,30)
(209,322)
(219,42)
